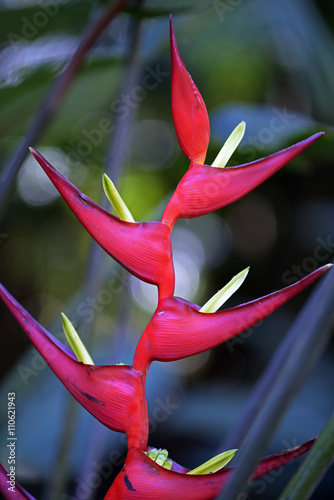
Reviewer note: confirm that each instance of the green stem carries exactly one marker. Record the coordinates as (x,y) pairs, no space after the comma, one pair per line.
(320,457)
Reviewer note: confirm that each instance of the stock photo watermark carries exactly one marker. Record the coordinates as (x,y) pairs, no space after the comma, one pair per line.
(323,251)
(103,470)
(120,109)
(31,25)
(87,308)
(11,442)
(225,7)
(280,120)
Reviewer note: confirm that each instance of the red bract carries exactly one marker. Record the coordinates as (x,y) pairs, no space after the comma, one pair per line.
(204,189)
(144,249)
(142,478)
(177,328)
(16,491)
(190,116)
(115,395)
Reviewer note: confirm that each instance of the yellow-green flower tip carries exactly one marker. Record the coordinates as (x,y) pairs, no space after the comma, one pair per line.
(116,200)
(230,146)
(215,464)
(75,341)
(225,293)
(168,464)
(159,456)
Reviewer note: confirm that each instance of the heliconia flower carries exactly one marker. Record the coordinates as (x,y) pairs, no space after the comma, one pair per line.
(10,490)
(142,478)
(189,112)
(115,395)
(178,329)
(204,189)
(144,249)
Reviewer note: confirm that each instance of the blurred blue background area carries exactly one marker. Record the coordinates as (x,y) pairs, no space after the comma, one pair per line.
(268,63)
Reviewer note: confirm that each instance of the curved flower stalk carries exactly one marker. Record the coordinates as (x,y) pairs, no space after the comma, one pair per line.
(189,112)
(178,329)
(142,478)
(204,189)
(115,395)
(10,491)
(143,248)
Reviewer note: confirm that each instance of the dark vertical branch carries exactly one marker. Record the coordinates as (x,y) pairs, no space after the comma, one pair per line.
(52,100)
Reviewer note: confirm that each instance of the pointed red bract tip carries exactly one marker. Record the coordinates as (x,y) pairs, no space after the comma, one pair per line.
(115,395)
(10,488)
(276,461)
(178,330)
(189,112)
(144,249)
(204,189)
(142,478)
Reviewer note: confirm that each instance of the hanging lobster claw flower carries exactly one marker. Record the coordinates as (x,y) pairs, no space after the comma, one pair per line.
(10,488)
(178,329)
(189,112)
(204,189)
(144,249)
(142,478)
(115,395)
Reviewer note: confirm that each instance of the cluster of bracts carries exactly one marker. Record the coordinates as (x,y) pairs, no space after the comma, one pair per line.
(115,395)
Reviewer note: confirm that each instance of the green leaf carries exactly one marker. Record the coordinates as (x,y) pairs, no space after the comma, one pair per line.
(215,464)
(230,145)
(225,293)
(75,341)
(319,458)
(116,200)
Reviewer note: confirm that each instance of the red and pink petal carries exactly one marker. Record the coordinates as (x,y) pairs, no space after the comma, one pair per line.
(144,249)
(115,395)
(189,112)
(178,329)
(204,189)
(142,478)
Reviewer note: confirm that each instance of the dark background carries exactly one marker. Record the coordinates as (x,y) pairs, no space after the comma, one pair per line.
(268,63)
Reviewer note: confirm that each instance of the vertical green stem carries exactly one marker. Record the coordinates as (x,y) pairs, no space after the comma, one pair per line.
(321,456)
